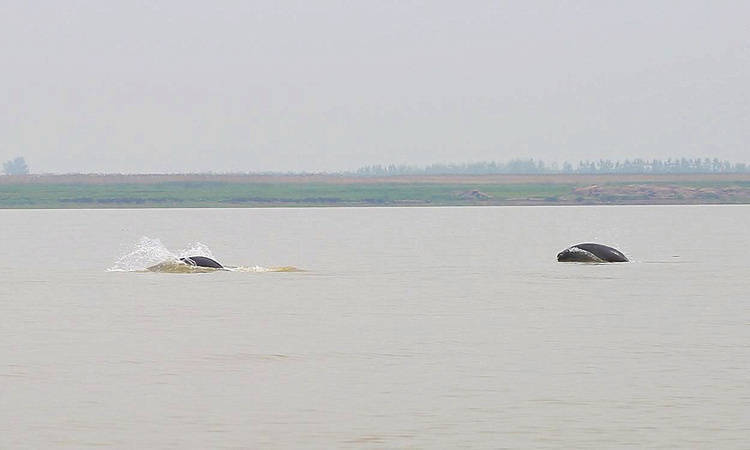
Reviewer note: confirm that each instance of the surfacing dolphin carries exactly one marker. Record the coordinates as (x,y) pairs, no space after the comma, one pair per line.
(589,252)
(201,261)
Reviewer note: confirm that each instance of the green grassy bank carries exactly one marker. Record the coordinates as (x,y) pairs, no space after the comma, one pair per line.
(217,194)
(192,191)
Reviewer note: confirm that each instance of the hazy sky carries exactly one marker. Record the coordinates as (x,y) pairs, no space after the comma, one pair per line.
(173,86)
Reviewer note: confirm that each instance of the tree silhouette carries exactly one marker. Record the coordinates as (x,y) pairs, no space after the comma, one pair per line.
(16,166)
(531,166)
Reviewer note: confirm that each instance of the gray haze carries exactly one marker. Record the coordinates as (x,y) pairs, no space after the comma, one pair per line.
(171,86)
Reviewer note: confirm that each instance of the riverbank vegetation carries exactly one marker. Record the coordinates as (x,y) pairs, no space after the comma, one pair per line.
(188,191)
(531,166)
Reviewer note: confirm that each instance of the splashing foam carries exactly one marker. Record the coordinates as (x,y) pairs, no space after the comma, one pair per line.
(196,249)
(148,252)
(261,269)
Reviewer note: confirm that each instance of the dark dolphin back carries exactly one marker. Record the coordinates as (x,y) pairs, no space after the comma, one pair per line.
(201,261)
(608,254)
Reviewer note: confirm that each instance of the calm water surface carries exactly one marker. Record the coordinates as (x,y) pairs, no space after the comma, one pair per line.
(409,328)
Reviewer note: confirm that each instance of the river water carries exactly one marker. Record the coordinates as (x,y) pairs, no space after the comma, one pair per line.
(403,328)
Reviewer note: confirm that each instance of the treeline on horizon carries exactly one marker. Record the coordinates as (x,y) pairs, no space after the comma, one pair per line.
(18,166)
(531,166)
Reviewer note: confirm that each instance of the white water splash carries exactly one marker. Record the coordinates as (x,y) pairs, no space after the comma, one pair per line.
(261,269)
(148,252)
(195,249)
(254,269)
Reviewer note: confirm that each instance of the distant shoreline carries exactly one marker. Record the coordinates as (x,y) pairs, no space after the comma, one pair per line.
(554,178)
(212,191)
